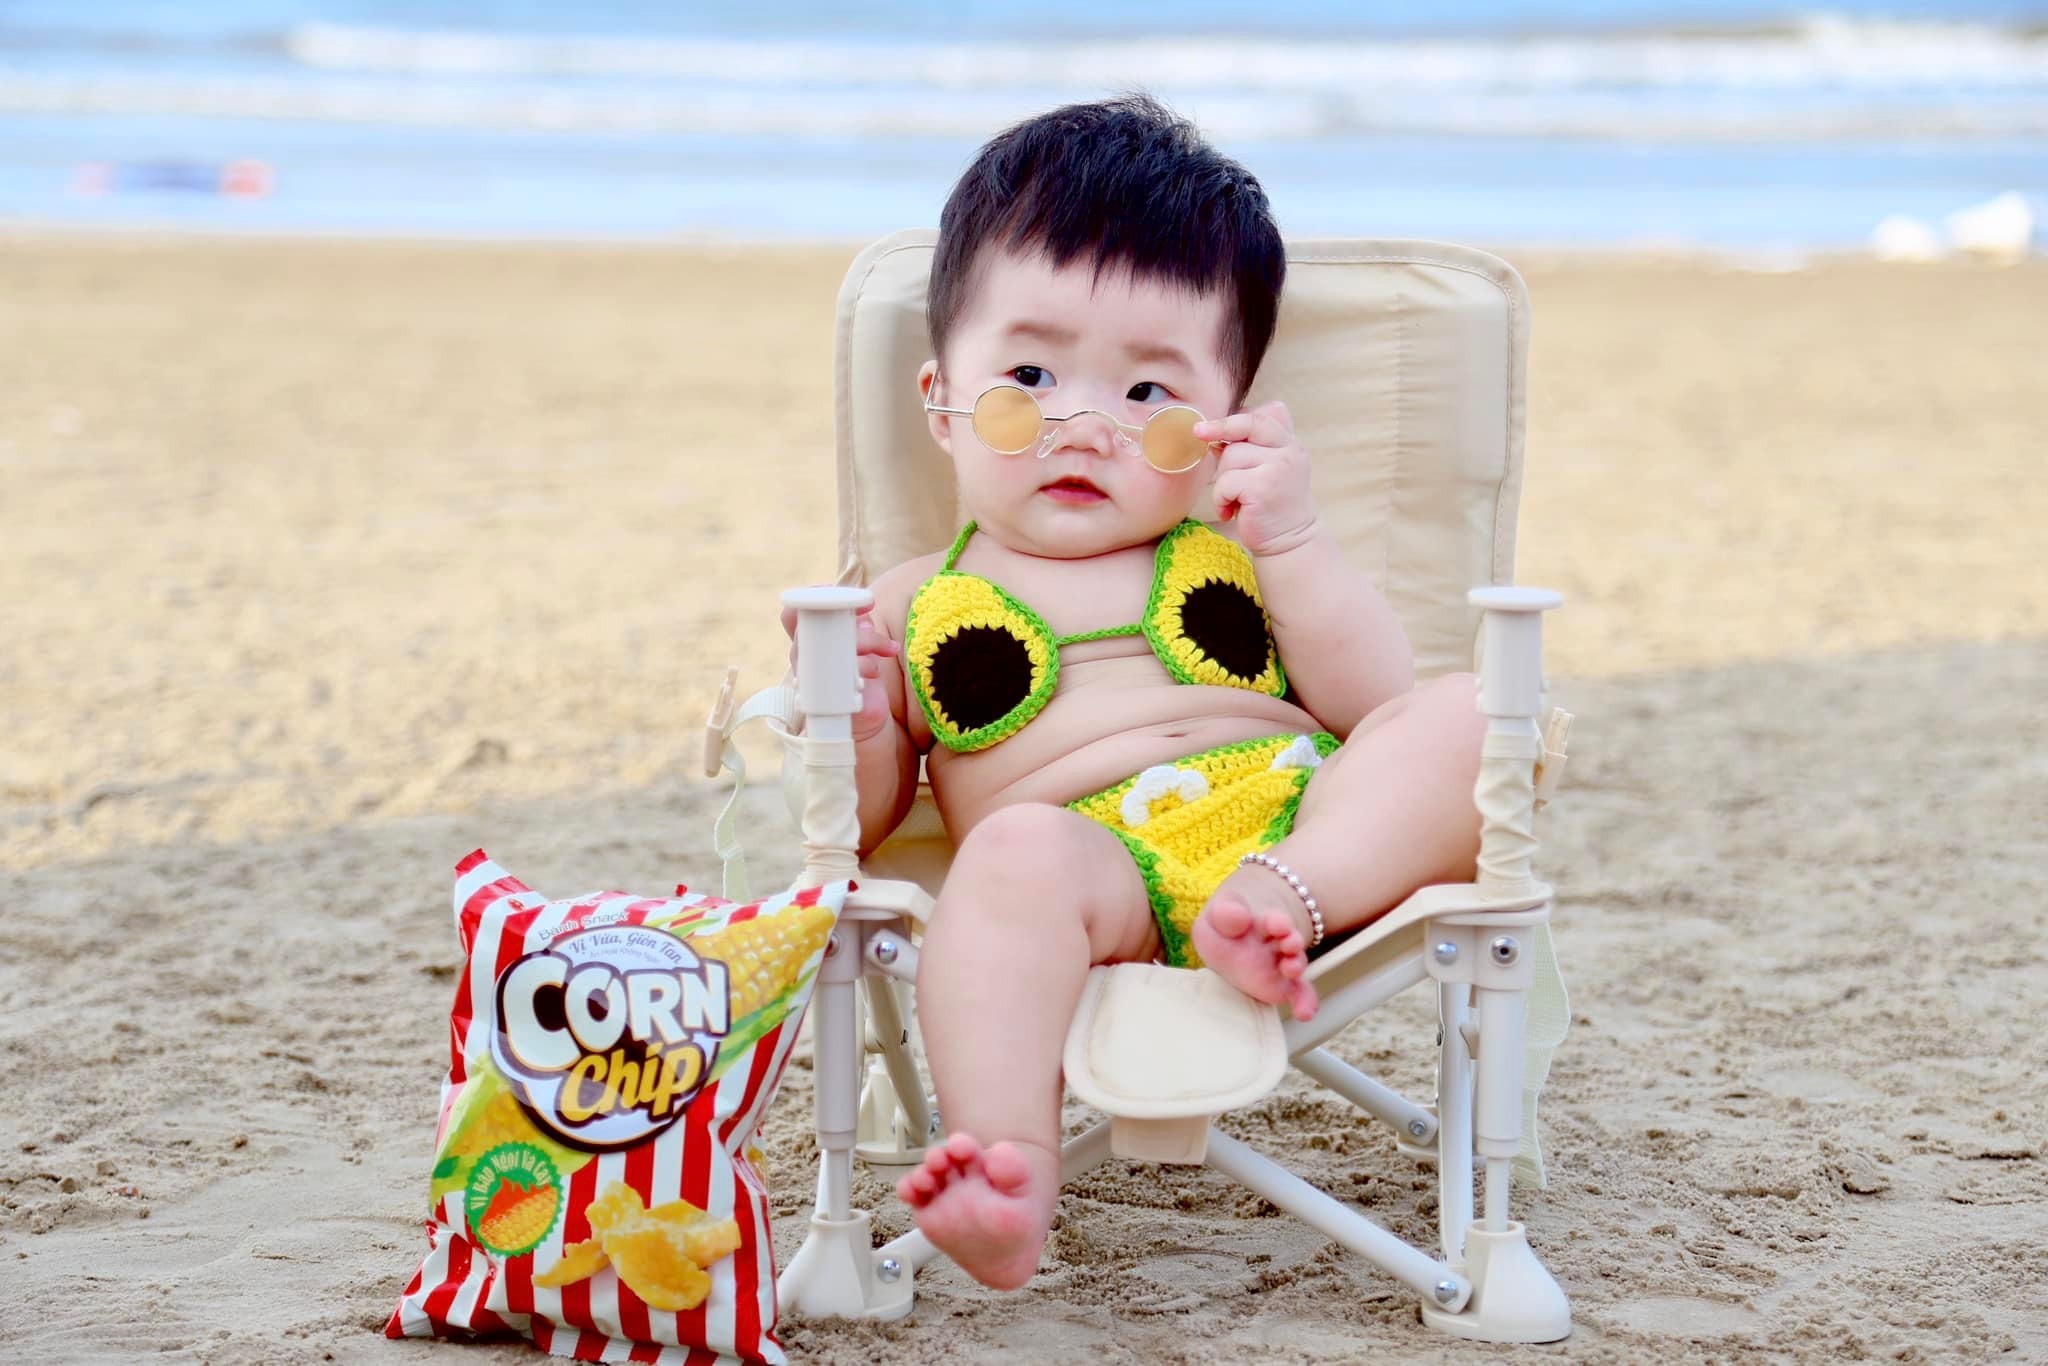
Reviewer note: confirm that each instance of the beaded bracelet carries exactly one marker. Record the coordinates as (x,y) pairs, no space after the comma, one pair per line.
(1315,916)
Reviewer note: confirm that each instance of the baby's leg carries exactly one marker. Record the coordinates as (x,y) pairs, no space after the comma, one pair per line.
(1390,811)
(1036,895)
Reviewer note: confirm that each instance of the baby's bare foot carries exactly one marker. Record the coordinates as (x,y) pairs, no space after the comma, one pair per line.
(986,1208)
(1252,941)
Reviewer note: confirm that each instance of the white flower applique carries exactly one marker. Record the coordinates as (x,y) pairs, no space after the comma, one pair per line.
(1156,782)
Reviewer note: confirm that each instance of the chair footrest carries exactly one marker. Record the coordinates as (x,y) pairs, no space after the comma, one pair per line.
(1153,1042)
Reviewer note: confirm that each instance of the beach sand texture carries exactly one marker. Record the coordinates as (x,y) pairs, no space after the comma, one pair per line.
(326,563)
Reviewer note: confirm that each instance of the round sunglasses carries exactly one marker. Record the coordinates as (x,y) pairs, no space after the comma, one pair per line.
(1008,420)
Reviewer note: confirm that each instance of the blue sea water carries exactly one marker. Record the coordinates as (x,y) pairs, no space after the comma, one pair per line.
(1568,122)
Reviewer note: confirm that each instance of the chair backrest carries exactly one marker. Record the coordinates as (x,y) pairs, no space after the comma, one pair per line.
(1403,364)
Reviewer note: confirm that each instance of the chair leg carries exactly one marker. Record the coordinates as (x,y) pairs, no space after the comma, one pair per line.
(837,1272)
(1454,1119)
(1514,1297)
(1437,1284)
(896,1120)
(1497,1095)
(1414,1123)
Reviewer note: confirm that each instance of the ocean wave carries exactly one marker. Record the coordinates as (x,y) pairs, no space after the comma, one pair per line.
(862,113)
(1820,52)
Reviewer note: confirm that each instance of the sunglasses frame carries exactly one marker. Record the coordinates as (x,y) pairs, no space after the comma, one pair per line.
(1132,434)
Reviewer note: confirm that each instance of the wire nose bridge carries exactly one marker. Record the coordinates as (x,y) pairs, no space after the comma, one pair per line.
(1056,428)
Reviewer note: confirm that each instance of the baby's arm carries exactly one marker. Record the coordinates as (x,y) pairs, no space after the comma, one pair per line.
(885,756)
(1343,647)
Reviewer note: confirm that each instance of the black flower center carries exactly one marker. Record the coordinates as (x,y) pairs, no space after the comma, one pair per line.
(1224,622)
(979,675)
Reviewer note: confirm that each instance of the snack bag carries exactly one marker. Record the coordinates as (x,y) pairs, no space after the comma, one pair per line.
(610,1058)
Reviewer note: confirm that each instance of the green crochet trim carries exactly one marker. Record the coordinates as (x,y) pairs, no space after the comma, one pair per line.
(1175,944)
(1282,824)
(1134,629)
(1161,559)
(959,544)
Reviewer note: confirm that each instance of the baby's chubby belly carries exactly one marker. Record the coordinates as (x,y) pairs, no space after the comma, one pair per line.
(1108,719)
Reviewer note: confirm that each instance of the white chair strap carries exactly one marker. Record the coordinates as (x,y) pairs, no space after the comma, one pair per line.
(1549,1017)
(1550,765)
(1550,1008)
(777,703)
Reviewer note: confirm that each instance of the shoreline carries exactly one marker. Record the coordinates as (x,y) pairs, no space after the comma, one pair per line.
(1538,255)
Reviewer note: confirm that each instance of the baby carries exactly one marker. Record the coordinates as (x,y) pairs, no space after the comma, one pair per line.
(1121,703)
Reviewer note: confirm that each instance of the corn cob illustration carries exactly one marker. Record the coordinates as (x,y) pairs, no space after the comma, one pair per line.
(764,956)
(520,1217)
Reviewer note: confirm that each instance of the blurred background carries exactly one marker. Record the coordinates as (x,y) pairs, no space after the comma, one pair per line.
(1758,126)
(413,406)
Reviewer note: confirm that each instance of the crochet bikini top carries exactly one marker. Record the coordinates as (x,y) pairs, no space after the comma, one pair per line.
(983,664)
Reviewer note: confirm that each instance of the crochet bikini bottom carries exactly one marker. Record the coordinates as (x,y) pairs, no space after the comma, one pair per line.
(1187,823)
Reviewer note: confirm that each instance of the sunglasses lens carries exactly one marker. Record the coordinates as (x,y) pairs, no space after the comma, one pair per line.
(1007,419)
(1170,443)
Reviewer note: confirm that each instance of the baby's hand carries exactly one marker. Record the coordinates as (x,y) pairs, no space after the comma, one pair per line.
(874,652)
(1262,478)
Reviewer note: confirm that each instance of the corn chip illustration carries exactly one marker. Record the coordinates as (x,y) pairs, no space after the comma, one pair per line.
(580,1261)
(661,1254)
(655,1269)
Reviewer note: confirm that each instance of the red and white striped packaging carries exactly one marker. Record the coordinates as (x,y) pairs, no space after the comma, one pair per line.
(610,1058)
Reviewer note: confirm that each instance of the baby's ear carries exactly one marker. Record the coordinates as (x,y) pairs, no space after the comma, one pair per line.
(941,427)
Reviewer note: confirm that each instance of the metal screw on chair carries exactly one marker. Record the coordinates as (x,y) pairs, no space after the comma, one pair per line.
(1505,950)
(885,953)
(1417,1128)
(1446,953)
(1446,1291)
(889,1270)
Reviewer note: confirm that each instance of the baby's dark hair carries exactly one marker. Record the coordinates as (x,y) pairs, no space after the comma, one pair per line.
(1127,184)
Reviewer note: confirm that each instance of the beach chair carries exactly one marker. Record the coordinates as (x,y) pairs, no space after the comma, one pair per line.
(1403,364)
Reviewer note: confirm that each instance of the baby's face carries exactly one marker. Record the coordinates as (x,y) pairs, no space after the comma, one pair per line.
(1126,347)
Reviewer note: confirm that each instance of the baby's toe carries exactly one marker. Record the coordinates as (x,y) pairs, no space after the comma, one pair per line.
(1229,917)
(1277,923)
(1283,942)
(1006,1168)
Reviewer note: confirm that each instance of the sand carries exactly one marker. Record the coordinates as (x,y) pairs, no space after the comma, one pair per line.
(326,563)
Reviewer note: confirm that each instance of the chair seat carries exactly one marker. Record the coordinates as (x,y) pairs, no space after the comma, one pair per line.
(1154,1042)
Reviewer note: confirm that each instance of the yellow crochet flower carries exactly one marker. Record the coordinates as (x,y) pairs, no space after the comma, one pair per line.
(1206,590)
